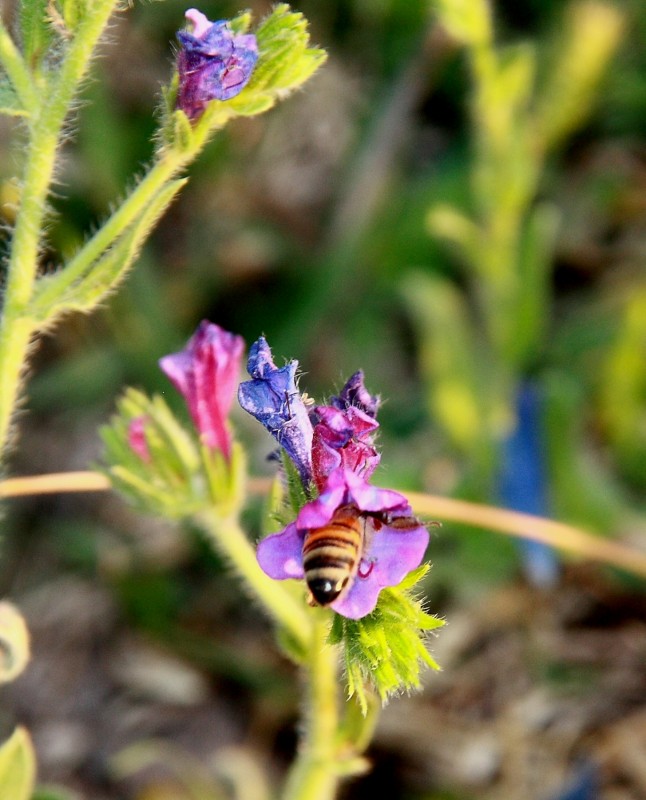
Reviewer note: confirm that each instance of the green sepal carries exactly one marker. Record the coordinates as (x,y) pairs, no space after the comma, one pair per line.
(241,23)
(286,61)
(250,106)
(183,139)
(226,478)
(385,651)
(274,515)
(73,12)
(171,481)
(17,766)
(296,496)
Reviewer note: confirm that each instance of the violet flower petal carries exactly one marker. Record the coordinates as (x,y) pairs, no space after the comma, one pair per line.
(391,551)
(391,555)
(343,438)
(271,396)
(355,394)
(281,555)
(213,63)
(206,373)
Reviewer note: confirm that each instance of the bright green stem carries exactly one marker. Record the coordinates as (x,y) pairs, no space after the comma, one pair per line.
(168,164)
(17,71)
(315,773)
(230,541)
(45,134)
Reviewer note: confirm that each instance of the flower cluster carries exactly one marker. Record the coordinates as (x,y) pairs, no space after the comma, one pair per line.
(332,447)
(213,63)
(349,539)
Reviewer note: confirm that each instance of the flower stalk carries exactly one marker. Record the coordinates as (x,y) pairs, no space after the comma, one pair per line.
(314,774)
(229,540)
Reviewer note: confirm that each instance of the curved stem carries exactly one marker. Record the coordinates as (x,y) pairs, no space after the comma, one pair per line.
(567,538)
(230,541)
(314,775)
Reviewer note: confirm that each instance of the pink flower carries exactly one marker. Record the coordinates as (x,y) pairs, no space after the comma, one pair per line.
(206,372)
(394,542)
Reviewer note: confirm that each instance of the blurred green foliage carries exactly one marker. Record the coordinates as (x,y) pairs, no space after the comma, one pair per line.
(451,213)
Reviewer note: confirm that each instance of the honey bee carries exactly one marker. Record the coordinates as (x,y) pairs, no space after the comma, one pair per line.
(332,554)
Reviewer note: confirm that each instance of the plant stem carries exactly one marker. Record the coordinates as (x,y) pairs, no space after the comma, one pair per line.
(230,540)
(16,328)
(17,71)
(314,774)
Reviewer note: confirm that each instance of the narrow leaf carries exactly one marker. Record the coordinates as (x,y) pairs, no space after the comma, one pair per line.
(17,766)
(56,295)
(37,30)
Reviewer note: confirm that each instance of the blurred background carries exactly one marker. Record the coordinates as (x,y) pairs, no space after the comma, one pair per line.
(462,214)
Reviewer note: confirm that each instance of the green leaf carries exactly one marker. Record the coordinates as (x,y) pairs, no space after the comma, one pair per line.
(451,361)
(10,105)
(37,31)
(56,295)
(533,288)
(468,21)
(14,643)
(17,766)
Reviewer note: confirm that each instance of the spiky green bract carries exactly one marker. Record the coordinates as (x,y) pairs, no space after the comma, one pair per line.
(177,477)
(285,60)
(386,650)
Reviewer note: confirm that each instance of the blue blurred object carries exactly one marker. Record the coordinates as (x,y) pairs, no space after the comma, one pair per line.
(522,483)
(583,786)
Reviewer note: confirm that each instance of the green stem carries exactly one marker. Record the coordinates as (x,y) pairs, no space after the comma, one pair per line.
(169,163)
(314,775)
(230,540)
(16,328)
(16,69)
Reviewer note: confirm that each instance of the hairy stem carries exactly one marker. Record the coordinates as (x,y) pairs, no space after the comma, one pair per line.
(314,775)
(16,329)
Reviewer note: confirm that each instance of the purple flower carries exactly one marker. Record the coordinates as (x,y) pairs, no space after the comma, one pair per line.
(206,373)
(137,438)
(344,432)
(355,394)
(394,541)
(343,438)
(274,400)
(213,63)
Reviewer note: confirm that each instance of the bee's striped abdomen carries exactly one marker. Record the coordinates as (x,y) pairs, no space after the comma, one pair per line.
(331,555)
